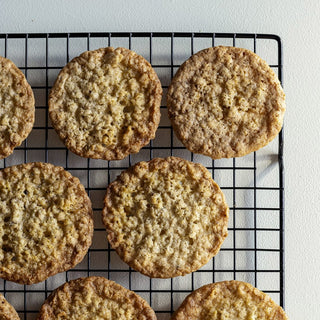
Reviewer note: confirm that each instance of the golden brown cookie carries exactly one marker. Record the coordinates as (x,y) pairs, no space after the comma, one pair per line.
(225,102)
(46,223)
(229,300)
(165,217)
(7,311)
(105,104)
(95,298)
(16,107)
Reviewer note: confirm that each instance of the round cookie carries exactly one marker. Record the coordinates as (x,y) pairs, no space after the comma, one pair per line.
(165,217)
(225,102)
(16,107)
(7,311)
(229,300)
(105,104)
(95,298)
(46,223)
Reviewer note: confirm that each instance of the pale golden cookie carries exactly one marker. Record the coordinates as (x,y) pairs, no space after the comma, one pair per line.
(7,311)
(16,107)
(46,223)
(95,298)
(105,104)
(165,217)
(225,102)
(234,300)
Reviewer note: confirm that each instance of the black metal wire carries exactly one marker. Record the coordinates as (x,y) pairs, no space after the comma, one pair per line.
(171,152)
(252,212)
(281,183)
(213,170)
(88,173)
(140,35)
(234,201)
(150,157)
(255,196)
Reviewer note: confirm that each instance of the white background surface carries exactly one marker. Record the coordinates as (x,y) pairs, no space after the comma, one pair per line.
(298,24)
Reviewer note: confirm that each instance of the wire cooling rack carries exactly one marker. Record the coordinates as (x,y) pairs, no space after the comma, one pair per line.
(253,185)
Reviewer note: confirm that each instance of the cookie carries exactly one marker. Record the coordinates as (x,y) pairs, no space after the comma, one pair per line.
(16,107)
(229,300)
(46,223)
(7,311)
(105,104)
(95,298)
(225,102)
(165,217)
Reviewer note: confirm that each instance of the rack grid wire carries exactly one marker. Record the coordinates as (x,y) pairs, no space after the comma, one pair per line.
(253,185)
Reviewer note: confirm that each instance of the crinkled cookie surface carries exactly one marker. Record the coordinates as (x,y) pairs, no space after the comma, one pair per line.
(105,103)
(46,223)
(229,300)
(7,312)
(225,102)
(16,107)
(165,217)
(95,298)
